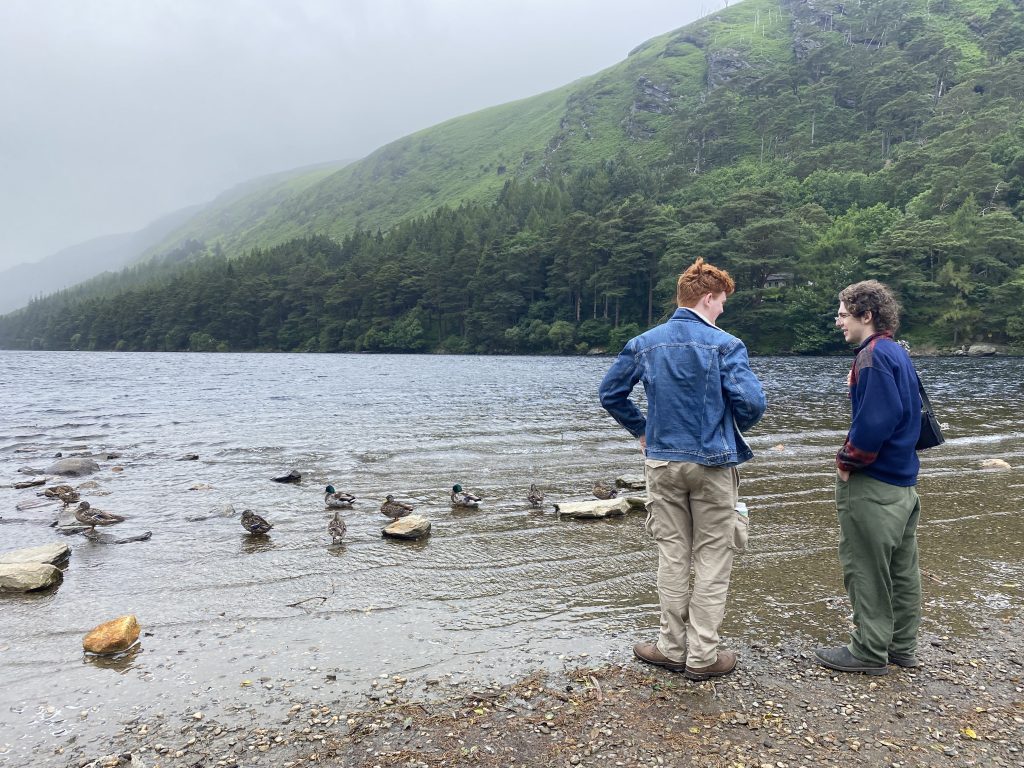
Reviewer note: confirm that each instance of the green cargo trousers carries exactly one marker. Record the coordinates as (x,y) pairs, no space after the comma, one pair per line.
(878,552)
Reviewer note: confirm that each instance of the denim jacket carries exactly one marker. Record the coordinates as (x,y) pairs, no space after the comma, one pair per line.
(701,393)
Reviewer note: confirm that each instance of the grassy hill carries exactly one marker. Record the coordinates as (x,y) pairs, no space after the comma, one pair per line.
(807,142)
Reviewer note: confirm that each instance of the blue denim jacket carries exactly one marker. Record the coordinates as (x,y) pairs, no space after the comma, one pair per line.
(701,393)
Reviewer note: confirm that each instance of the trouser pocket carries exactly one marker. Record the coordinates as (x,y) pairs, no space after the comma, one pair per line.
(741,529)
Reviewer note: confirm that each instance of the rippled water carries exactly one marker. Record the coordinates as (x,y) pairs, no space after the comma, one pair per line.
(503,588)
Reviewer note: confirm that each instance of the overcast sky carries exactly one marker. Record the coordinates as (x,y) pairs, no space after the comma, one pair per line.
(115,112)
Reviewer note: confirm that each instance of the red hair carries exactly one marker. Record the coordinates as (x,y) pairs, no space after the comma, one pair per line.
(699,280)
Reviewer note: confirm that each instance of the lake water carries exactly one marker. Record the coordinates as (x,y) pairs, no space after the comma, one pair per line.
(492,592)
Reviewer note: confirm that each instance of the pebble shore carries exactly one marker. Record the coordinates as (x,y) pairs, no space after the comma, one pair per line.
(963,707)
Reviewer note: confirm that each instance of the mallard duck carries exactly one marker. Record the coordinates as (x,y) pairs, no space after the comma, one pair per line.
(337,499)
(336,527)
(464,499)
(395,509)
(65,493)
(254,524)
(86,515)
(535,496)
(604,492)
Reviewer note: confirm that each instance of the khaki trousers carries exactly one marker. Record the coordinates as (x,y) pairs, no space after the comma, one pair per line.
(691,513)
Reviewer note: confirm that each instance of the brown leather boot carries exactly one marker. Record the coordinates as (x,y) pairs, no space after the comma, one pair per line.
(649,652)
(724,664)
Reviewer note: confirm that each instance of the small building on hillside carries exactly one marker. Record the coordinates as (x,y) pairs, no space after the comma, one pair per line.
(778,280)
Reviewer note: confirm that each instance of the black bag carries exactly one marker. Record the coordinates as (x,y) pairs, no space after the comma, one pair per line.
(931,433)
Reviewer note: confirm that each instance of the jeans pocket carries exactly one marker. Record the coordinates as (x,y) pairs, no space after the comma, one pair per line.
(741,528)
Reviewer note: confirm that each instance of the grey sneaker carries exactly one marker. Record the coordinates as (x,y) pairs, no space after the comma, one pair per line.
(905,660)
(841,660)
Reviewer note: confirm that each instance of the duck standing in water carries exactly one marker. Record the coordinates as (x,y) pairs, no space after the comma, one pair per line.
(336,527)
(395,509)
(255,524)
(86,515)
(604,492)
(535,496)
(464,499)
(338,499)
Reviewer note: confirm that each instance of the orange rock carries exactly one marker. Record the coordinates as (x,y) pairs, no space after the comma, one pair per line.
(113,636)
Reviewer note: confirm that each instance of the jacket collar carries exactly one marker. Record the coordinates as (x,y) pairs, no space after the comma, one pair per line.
(872,339)
(684,312)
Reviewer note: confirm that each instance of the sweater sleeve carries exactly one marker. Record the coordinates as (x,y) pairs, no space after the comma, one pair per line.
(876,415)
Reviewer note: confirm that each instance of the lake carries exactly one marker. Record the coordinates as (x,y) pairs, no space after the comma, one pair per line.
(229,619)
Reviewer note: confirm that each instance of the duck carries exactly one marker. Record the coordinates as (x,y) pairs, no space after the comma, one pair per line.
(336,527)
(395,509)
(604,492)
(535,496)
(337,499)
(65,493)
(86,515)
(254,524)
(464,499)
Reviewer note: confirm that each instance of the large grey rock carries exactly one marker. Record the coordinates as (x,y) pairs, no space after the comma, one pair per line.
(408,527)
(46,553)
(981,350)
(73,467)
(27,577)
(596,508)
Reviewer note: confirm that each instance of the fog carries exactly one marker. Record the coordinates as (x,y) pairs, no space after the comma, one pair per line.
(116,112)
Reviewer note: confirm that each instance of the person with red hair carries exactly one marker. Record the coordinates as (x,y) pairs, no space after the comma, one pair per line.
(701,397)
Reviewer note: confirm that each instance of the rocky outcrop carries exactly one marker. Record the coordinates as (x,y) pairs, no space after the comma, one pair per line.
(408,527)
(594,509)
(53,554)
(982,350)
(28,577)
(73,467)
(112,636)
(727,65)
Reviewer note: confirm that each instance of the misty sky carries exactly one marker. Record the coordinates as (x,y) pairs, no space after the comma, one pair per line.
(115,112)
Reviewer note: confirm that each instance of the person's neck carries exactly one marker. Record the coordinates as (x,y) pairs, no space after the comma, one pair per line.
(700,314)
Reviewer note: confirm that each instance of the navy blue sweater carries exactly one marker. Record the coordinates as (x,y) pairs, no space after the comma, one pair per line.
(886,414)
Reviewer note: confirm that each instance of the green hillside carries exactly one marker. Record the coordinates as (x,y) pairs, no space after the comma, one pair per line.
(801,146)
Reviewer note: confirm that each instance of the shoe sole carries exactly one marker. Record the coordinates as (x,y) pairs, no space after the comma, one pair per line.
(862,670)
(699,677)
(905,664)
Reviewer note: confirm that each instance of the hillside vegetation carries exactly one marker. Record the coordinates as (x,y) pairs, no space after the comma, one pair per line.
(800,145)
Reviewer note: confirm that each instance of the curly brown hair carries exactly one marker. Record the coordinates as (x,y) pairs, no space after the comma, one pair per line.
(876,298)
(699,280)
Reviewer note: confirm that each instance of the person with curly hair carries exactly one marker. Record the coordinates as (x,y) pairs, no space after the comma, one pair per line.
(701,396)
(876,496)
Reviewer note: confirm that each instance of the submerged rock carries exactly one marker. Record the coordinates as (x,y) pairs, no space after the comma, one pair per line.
(408,527)
(46,553)
(292,477)
(73,467)
(112,636)
(28,577)
(631,482)
(30,483)
(586,510)
(108,538)
(995,464)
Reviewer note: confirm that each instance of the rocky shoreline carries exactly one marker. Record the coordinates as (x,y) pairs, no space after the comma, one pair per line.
(964,707)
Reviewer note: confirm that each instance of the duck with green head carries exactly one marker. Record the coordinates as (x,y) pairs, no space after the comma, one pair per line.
(464,499)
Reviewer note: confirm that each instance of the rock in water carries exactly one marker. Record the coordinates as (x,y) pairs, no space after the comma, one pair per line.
(586,510)
(28,577)
(73,467)
(113,636)
(996,464)
(631,482)
(292,477)
(408,527)
(47,553)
